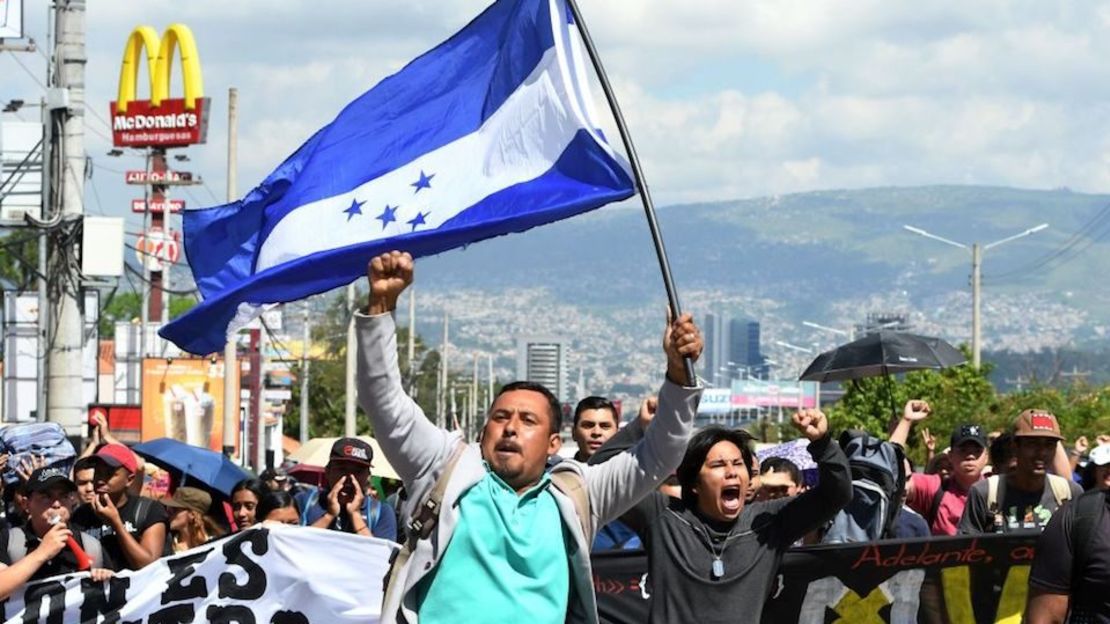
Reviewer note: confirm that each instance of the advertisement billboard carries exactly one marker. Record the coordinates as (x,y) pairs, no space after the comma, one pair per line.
(755,394)
(183,400)
(11,19)
(160,121)
(715,401)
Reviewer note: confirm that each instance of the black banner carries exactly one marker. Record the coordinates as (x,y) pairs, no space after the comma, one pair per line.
(939,581)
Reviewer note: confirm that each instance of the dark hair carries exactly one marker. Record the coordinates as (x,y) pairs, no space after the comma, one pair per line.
(780,465)
(85,463)
(698,449)
(273,500)
(554,408)
(1001,452)
(257,487)
(595,403)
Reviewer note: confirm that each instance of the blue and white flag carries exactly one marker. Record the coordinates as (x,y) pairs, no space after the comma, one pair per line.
(491,132)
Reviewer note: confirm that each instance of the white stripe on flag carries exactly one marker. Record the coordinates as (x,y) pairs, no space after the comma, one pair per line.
(521,140)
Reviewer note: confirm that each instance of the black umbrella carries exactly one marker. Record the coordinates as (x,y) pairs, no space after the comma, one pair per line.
(882,353)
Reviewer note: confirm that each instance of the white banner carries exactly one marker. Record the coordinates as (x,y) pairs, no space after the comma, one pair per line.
(277,574)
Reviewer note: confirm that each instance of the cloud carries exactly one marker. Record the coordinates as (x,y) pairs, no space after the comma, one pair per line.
(724,99)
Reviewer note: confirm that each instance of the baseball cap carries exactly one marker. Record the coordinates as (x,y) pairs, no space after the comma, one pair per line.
(116,455)
(351,450)
(1033,423)
(1100,455)
(968,432)
(186,497)
(45,478)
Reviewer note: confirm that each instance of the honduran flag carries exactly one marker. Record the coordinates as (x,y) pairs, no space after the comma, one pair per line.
(493,131)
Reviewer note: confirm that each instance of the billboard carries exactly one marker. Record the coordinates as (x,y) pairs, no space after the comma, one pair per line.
(755,394)
(11,19)
(183,400)
(715,401)
(160,121)
(21,354)
(20,169)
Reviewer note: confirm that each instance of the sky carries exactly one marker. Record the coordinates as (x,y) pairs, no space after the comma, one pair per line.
(725,99)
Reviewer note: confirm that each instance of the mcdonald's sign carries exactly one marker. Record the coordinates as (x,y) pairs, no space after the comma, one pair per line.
(160,121)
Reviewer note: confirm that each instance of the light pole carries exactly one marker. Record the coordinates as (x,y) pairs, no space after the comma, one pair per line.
(977,250)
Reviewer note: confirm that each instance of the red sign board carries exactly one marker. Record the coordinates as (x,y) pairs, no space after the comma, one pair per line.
(170,124)
(165,205)
(157,177)
(125,421)
(156,249)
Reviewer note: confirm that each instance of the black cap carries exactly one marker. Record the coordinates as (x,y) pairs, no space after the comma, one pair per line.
(352,450)
(969,432)
(45,478)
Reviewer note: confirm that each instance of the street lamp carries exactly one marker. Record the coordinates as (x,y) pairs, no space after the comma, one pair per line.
(977,250)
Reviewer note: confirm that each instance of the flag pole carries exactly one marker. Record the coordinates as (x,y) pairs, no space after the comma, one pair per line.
(637,174)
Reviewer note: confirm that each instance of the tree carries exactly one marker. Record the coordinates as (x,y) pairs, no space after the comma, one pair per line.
(128,307)
(327,376)
(19,255)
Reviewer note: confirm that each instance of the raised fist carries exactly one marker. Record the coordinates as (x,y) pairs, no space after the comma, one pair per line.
(916,410)
(681,339)
(389,274)
(812,423)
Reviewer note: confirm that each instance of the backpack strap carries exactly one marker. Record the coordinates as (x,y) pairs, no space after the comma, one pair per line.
(1061,488)
(310,502)
(573,486)
(1086,519)
(993,506)
(423,522)
(934,507)
(17,545)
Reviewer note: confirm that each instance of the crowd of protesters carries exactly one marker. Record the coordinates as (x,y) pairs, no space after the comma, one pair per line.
(502,525)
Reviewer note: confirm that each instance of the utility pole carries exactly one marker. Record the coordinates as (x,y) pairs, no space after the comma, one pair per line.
(977,250)
(231,361)
(444,382)
(349,414)
(976,319)
(64,380)
(304,375)
(412,341)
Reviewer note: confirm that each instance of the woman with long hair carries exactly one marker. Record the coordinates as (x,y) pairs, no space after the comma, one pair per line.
(245,497)
(190,524)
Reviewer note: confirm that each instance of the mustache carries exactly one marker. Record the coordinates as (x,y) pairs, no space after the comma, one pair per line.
(507,445)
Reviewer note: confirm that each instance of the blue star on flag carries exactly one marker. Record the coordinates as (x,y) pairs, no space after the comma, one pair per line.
(425,182)
(354,209)
(418,220)
(388,215)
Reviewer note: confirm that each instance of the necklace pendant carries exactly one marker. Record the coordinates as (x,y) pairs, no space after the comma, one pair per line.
(718,568)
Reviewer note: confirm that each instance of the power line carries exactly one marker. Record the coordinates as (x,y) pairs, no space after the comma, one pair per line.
(29,72)
(142,278)
(1094,230)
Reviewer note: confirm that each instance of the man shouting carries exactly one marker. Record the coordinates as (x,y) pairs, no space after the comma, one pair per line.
(509,540)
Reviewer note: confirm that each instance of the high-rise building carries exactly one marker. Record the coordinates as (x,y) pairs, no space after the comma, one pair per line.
(744,349)
(544,360)
(715,358)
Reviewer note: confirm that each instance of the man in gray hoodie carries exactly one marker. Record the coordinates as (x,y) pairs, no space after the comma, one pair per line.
(510,539)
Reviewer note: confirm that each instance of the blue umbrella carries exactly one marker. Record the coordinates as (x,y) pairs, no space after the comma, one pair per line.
(197,466)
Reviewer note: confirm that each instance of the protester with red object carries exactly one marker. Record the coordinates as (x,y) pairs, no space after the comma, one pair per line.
(1027,497)
(46,546)
(132,529)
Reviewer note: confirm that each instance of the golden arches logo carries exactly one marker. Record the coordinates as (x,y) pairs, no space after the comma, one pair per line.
(160,121)
(145,39)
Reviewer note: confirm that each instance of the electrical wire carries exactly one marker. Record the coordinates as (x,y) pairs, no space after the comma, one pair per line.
(142,278)
(29,72)
(1094,230)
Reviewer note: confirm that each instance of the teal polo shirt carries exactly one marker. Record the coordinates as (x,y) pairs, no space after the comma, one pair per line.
(507,559)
